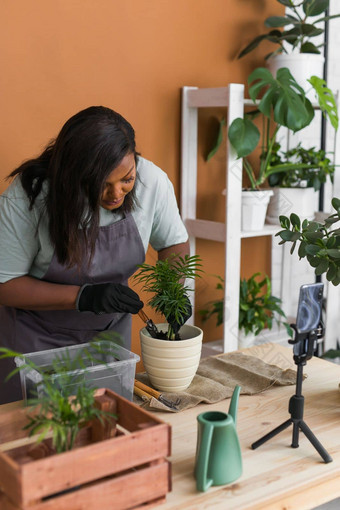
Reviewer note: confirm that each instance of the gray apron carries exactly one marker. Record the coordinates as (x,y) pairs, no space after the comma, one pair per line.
(118,251)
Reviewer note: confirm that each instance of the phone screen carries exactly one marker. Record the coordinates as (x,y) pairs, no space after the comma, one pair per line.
(310,307)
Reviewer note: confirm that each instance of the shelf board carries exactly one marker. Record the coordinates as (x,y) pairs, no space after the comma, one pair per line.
(215,230)
(268,230)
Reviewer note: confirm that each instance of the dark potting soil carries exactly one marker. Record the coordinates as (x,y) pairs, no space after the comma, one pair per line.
(162,336)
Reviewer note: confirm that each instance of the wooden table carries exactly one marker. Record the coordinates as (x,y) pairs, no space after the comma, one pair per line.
(275,476)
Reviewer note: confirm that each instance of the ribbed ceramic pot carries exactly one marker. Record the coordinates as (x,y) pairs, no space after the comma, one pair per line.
(172,364)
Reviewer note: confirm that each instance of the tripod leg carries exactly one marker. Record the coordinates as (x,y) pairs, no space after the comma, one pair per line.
(271,434)
(315,442)
(295,440)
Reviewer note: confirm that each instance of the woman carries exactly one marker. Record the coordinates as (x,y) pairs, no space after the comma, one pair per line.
(74,225)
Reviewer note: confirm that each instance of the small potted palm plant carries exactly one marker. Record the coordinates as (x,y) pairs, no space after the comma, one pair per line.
(171,360)
(258,309)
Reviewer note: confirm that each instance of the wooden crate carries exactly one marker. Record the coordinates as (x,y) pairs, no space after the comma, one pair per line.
(126,471)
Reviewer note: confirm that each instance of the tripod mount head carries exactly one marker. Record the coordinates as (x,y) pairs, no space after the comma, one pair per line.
(305,343)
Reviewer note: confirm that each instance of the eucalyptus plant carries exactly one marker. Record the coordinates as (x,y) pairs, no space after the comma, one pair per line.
(304,17)
(258,308)
(66,406)
(318,242)
(166,281)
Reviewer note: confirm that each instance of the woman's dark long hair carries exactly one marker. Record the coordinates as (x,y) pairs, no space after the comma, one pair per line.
(76,165)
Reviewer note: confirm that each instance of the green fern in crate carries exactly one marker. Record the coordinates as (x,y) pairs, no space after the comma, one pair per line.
(60,410)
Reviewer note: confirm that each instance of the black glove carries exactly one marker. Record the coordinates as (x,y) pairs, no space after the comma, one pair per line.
(108,298)
(175,325)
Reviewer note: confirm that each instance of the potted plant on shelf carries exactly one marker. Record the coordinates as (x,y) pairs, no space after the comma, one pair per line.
(171,361)
(283,104)
(258,309)
(294,189)
(296,48)
(80,436)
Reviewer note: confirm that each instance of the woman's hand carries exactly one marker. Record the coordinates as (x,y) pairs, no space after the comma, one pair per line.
(108,298)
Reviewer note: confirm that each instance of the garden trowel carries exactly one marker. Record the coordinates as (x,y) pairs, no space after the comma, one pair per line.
(150,325)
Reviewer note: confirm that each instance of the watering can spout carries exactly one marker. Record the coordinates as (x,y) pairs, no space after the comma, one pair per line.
(234,403)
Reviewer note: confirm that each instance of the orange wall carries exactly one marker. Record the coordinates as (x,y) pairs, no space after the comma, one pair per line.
(60,56)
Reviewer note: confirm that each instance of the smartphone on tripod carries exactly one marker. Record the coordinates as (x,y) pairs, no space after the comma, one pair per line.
(309,314)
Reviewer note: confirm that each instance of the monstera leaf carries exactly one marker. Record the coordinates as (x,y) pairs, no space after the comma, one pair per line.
(282,97)
(326,100)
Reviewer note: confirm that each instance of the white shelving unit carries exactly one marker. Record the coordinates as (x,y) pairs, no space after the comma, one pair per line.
(231,98)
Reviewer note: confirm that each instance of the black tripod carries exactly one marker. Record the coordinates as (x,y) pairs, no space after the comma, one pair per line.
(303,350)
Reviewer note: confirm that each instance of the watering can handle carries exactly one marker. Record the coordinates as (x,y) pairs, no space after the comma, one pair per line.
(202,482)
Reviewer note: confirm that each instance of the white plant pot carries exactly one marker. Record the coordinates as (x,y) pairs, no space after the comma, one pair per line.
(302,66)
(254,208)
(244,340)
(285,201)
(172,364)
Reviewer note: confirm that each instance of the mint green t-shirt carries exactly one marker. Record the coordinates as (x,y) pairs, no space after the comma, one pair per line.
(25,247)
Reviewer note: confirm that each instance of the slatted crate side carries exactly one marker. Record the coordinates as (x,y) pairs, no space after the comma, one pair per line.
(6,504)
(59,472)
(131,416)
(140,488)
(11,425)
(10,476)
(33,479)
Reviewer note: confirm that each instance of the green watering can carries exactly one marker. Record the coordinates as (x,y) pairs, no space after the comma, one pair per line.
(218,453)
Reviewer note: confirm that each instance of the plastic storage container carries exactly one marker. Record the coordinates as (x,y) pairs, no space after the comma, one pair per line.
(114,368)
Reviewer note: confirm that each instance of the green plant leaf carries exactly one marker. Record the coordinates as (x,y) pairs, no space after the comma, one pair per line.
(287,3)
(326,100)
(302,249)
(322,267)
(332,271)
(284,221)
(283,96)
(310,30)
(313,236)
(309,47)
(336,203)
(331,354)
(312,249)
(277,21)
(272,36)
(295,221)
(218,141)
(314,7)
(314,261)
(333,253)
(244,136)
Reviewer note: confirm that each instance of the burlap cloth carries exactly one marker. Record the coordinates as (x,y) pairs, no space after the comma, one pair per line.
(216,378)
